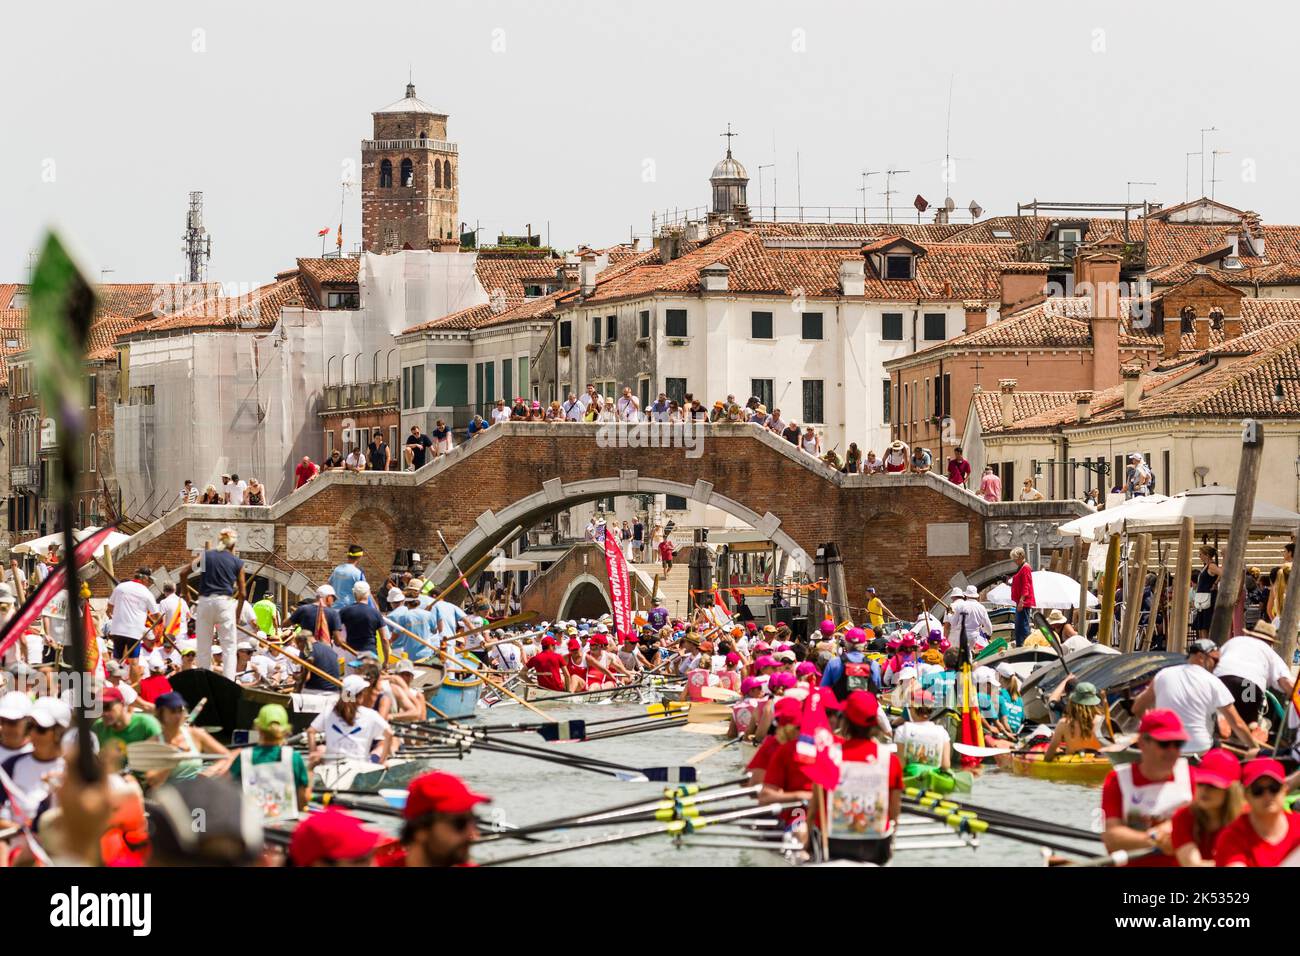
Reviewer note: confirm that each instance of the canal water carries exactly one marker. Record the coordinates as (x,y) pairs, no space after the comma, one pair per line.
(527,791)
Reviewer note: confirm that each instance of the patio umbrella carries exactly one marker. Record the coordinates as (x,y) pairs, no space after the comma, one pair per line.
(1211,509)
(1085,525)
(501,564)
(1051,590)
(41,546)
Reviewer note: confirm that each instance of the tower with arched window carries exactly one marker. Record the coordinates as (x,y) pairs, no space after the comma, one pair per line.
(409,180)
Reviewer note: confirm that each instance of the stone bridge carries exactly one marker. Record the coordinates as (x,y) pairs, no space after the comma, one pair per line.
(888,528)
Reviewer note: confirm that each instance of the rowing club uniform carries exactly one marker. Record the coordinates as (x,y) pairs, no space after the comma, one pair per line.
(1127,795)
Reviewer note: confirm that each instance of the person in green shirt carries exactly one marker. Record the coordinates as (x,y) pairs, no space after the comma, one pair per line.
(272,725)
(268,616)
(119,727)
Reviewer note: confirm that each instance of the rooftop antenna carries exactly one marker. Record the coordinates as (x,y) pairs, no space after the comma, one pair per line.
(104,272)
(1214,163)
(947,151)
(889,190)
(798,184)
(760,190)
(1187,187)
(1204,130)
(866,174)
(197,244)
(1128,201)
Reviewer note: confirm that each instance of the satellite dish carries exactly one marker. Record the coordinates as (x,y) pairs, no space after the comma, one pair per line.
(976,210)
(949,205)
(920,203)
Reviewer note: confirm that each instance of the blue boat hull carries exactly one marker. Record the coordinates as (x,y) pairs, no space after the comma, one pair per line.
(455,699)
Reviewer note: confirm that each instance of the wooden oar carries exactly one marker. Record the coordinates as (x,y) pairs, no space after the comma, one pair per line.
(704,755)
(940,600)
(723,695)
(311,668)
(460,664)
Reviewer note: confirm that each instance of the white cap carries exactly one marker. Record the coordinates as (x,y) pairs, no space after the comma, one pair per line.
(353,685)
(1004,670)
(957,592)
(244,646)
(218,649)
(906,673)
(15,705)
(325,591)
(404,666)
(396,596)
(361,590)
(601,629)
(972,591)
(50,711)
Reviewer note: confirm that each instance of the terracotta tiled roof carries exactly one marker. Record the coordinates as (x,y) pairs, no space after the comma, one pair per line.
(258,309)
(988,406)
(506,273)
(7,292)
(326,271)
(13,339)
(865,231)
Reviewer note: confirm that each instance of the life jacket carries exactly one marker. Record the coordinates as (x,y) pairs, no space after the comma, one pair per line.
(270,785)
(859,804)
(743,715)
(729,680)
(1152,803)
(696,681)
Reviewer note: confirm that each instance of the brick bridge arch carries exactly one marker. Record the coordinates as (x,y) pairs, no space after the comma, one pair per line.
(888,528)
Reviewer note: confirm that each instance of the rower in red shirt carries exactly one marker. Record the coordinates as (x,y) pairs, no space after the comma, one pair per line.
(786,712)
(549,666)
(1195,828)
(1138,799)
(863,808)
(1266,835)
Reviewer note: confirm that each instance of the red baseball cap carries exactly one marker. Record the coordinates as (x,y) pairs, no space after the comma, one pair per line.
(1252,770)
(598,639)
(861,708)
(438,792)
(331,835)
(1218,768)
(574,644)
(111,695)
(549,641)
(787,710)
(1162,725)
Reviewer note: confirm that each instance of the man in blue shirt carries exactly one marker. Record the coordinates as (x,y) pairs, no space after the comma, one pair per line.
(305,614)
(221,583)
(345,577)
(408,613)
(321,656)
(447,618)
(363,625)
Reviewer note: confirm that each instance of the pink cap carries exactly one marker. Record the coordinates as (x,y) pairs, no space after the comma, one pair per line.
(855,635)
(827,627)
(762,646)
(732,658)
(1163,725)
(1262,767)
(767,660)
(782,679)
(748,684)
(805,668)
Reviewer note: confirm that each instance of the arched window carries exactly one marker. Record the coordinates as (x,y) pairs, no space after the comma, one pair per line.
(386,173)
(1216,319)
(437,175)
(1188,316)
(446,173)
(408,173)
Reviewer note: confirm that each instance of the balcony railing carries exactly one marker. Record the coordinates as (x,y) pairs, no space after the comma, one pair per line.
(437,145)
(358,396)
(1061,252)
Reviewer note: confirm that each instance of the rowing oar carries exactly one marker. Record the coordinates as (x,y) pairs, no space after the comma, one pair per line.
(938,802)
(972,825)
(1118,858)
(585,693)
(460,664)
(461,579)
(674,827)
(704,755)
(664,809)
(564,729)
(940,600)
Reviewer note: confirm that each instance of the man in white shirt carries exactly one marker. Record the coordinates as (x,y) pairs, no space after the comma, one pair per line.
(1198,698)
(172,602)
(1249,666)
(128,607)
(572,408)
(355,461)
(629,409)
(189,494)
(500,413)
(586,400)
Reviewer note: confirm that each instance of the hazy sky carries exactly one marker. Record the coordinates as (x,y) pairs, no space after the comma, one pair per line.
(584,117)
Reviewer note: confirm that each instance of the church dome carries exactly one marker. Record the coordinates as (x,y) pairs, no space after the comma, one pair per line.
(729,168)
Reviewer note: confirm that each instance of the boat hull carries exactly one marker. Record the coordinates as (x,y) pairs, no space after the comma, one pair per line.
(455,699)
(1082,769)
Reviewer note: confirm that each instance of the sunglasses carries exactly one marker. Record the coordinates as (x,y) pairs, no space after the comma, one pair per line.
(460,822)
(1261,788)
(1164,744)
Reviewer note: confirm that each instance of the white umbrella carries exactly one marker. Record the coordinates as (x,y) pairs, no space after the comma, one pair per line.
(1085,525)
(41,546)
(1051,590)
(1210,507)
(501,564)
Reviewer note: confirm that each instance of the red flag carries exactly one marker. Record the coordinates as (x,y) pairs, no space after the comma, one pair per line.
(54,582)
(324,232)
(94,663)
(619,592)
(816,749)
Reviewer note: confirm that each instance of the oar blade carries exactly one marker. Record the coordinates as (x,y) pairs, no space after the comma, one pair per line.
(970,750)
(563,730)
(669,774)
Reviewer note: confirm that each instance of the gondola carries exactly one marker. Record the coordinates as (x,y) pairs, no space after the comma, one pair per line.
(231,706)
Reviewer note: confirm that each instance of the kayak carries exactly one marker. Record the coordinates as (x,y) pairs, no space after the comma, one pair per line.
(1085,769)
(921,776)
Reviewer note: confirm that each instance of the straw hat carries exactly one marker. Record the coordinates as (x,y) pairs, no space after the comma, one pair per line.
(1264,630)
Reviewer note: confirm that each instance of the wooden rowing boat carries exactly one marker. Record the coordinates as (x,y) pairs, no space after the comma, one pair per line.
(362,776)
(1085,769)
(231,706)
(455,695)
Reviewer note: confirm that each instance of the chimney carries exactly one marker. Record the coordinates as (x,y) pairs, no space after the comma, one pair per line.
(1132,389)
(669,244)
(1007,390)
(1202,332)
(567,275)
(713,277)
(1172,338)
(977,315)
(587,270)
(1083,402)
(853,276)
(1097,277)
(1022,284)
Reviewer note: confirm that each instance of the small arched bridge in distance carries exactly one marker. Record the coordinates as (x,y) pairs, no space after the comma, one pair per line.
(888,528)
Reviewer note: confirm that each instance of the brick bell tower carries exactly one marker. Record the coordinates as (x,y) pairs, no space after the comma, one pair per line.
(409,180)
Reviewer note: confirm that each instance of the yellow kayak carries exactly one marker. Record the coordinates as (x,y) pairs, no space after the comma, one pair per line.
(1084,769)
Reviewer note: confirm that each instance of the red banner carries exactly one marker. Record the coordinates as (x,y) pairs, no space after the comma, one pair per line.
(620,594)
(54,582)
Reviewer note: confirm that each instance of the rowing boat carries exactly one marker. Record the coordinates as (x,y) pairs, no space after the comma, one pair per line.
(1084,769)
(362,776)
(453,695)
(937,780)
(532,693)
(231,706)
